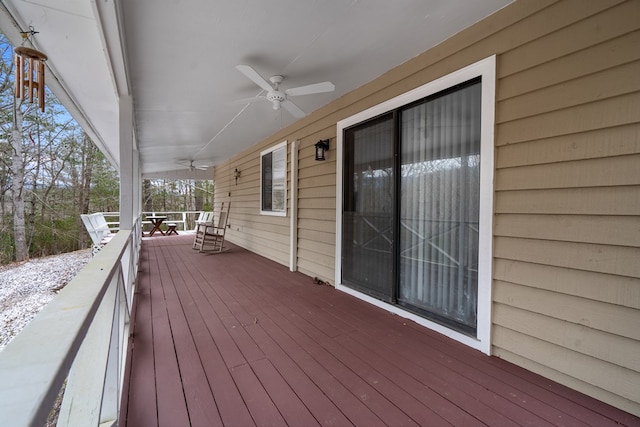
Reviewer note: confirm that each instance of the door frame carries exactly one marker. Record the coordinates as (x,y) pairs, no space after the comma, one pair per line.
(486,69)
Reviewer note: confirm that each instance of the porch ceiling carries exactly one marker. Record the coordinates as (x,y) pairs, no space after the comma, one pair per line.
(177,60)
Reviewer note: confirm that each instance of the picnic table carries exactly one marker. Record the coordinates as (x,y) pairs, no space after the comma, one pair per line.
(156,221)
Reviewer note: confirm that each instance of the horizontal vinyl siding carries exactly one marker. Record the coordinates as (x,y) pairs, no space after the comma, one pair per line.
(567,203)
(317,208)
(262,234)
(566,276)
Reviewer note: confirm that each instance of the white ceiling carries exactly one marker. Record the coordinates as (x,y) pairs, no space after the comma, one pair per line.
(177,59)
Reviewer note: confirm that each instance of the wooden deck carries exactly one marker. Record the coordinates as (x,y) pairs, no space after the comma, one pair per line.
(235,339)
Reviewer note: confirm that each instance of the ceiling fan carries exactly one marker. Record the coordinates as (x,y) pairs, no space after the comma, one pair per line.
(189,163)
(280,98)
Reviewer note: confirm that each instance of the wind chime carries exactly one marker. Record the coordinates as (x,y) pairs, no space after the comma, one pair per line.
(30,72)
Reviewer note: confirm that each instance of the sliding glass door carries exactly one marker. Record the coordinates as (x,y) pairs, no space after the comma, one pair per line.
(411,206)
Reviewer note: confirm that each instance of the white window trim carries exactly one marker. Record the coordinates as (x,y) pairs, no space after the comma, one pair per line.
(485,68)
(283,144)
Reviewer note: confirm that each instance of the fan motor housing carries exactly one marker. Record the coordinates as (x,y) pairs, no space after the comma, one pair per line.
(276,95)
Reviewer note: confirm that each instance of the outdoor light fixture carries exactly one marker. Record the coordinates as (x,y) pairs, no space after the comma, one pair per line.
(321,147)
(30,72)
(236,175)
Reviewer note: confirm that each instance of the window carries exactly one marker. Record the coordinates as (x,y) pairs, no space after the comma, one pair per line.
(414,201)
(273,180)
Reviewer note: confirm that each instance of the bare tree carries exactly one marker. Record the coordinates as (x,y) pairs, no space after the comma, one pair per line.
(88,152)
(17,187)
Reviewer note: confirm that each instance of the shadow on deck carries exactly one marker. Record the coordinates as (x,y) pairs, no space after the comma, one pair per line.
(235,339)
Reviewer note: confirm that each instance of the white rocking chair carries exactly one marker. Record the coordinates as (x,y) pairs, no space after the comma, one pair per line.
(205,218)
(212,239)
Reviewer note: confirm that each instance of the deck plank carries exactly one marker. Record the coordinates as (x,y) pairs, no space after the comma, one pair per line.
(236,339)
(399,334)
(140,401)
(290,406)
(172,408)
(204,328)
(395,406)
(197,393)
(315,400)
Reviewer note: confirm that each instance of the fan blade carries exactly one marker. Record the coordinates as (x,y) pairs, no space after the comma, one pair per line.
(311,89)
(293,109)
(254,77)
(249,100)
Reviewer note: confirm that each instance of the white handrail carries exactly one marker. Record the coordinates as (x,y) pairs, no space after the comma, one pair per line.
(172,215)
(83,329)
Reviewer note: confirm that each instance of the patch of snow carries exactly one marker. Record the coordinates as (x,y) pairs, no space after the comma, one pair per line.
(25,288)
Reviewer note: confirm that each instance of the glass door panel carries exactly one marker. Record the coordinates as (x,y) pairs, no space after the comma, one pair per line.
(368,207)
(439,207)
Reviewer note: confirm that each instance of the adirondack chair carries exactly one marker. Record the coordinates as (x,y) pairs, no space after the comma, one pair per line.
(213,235)
(98,230)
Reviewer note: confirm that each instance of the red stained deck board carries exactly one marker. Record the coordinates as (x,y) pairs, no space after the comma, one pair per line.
(402,399)
(234,326)
(389,402)
(272,348)
(374,337)
(262,408)
(140,398)
(343,397)
(209,306)
(172,409)
(325,380)
(332,327)
(588,410)
(474,369)
(197,393)
(318,403)
(399,334)
(289,404)
(228,398)
(423,385)
(458,365)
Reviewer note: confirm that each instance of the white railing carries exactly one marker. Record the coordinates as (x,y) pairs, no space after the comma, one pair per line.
(184,219)
(79,339)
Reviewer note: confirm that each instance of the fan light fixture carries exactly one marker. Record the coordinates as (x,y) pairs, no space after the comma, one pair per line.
(280,98)
(321,147)
(30,72)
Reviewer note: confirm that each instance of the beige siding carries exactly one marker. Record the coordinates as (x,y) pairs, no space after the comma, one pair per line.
(567,204)
(566,279)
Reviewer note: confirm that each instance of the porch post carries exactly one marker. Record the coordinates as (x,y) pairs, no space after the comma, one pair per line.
(137,183)
(293,225)
(127,153)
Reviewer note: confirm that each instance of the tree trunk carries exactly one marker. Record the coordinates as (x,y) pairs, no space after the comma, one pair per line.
(31,215)
(88,158)
(198,195)
(17,187)
(147,196)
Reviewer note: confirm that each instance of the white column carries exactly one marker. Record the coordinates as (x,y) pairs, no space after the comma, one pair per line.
(137,184)
(293,208)
(127,178)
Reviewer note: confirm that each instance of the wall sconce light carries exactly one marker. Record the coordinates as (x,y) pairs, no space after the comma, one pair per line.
(236,175)
(321,147)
